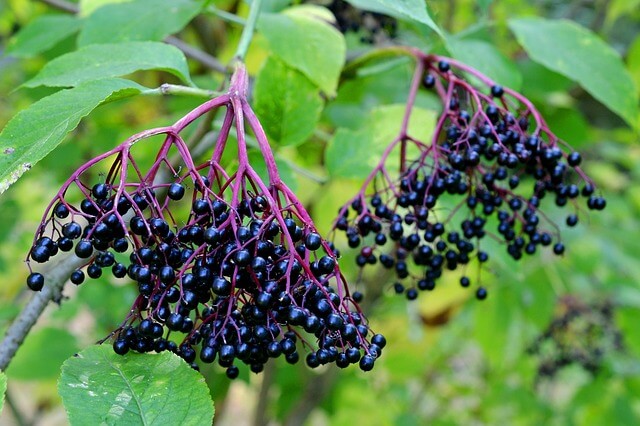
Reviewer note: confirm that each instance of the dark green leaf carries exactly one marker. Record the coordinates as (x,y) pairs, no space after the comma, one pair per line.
(34,132)
(111,60)
(408,10)
(42,354)
(577,53)
(308,44)
(288,104)
(100,387)
(41,34)
(137,20)
(486,59)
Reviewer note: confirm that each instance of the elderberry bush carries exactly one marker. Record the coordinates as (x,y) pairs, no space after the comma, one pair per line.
(227,267)
(492,170)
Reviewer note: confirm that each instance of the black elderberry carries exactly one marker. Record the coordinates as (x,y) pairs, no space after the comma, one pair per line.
(443,66)
(35,281)
(367,362)
(77,277)
(61,211)
(94,271)
(497,91)
(481,293)
(412,294)
(176,191)
(232,372)
(574,159)
(572,220)
(313,241)
(120,346)
(174,321)
(100,191)
(84,249)
(429,81)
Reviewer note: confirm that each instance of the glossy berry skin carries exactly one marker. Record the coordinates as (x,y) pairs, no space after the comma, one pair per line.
(313,241)
(120,346)
(176,191)
(366,363)
(35,281)
(84,249)
(77,277)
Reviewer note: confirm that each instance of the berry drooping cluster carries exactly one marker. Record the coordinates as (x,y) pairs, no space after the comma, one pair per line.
(487,171)
(225,265)
(373,28)
(579,334)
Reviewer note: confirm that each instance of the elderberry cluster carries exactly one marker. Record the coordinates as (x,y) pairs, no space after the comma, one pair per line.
(374,28)
(579,334)
(487,172)
(227,268)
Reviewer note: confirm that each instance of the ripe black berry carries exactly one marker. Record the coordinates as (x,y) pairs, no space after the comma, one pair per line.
(35,281)
(176,191)
(77,277)
(84,249)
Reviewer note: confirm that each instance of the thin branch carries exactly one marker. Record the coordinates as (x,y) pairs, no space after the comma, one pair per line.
(197,55)
(249,28)
(189,51)
(176,89)
(63,5)
(226,16)
(18,330)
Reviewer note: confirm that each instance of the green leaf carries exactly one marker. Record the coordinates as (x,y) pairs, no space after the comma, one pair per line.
(286,102)
(633,62)
(111,60)
(307,44)
(41,34)
(284,169)
(100,387)
(577,53)
(88,6)
(42,354)
(34,132)
(137,20)
(354,153)
(487,59)
(411,10)
(3,389)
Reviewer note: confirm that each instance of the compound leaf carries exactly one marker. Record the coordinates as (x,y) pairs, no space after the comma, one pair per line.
(577,53)
(307,44)
(288,104)
(137,20)
(42,34)
(98,386)
(99,61)
(34,132)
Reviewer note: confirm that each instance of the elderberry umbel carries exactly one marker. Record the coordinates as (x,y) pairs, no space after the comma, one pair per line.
(492,169)
(227,267)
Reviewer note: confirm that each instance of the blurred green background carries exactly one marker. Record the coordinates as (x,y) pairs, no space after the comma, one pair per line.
(557,342)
